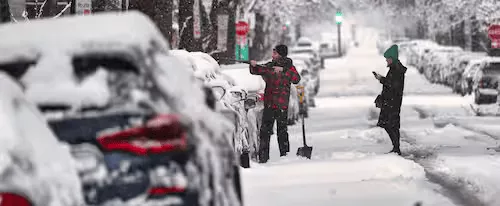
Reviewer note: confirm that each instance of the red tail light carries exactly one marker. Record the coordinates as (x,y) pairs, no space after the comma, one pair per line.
(11,199)
(161,134)
(165,190)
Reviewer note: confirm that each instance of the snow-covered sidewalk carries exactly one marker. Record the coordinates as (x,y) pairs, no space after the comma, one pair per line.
(446,158)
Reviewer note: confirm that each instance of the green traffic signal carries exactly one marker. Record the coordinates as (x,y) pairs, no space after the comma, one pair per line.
(338,17)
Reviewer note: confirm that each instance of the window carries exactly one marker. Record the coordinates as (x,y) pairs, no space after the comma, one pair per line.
(126,84)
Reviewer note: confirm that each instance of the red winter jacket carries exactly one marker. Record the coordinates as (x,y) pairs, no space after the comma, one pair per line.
(277,93)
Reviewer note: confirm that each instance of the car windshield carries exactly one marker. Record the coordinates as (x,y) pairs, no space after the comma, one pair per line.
(304,44)
(302,51)
(492,69)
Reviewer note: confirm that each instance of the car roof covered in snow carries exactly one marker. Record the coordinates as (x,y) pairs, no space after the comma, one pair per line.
(106,31)
(243,78)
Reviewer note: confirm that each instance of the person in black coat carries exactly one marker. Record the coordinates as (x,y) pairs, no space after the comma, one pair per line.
(389,101)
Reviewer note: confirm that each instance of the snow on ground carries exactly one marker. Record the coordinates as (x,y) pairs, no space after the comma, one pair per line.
(445,162)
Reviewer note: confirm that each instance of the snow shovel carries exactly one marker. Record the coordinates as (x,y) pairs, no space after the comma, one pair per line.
(304,151)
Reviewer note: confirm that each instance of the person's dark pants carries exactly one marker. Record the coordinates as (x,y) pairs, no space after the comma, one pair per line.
(394,135)
(268,118)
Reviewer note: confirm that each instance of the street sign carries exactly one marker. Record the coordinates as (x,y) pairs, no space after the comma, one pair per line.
(242,28)
(83,7)
(494,32)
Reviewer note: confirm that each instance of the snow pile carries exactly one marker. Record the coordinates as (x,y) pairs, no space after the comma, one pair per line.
(32,160)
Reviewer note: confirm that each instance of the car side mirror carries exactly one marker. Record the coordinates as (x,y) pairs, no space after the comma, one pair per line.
(219,92)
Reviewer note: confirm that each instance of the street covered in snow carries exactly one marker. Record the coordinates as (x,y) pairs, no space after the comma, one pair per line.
(446,160)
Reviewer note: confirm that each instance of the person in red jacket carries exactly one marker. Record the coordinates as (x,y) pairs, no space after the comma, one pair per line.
(278,74)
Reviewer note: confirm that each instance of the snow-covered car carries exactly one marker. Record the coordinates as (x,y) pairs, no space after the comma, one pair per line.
(313,71)
(466,82)
(328,50)
(230,97)
(241,76)
(485,81)
(36,168)
(238,74)
(305,46)
(137,122)
(437,59)
(456,69)
(306,81)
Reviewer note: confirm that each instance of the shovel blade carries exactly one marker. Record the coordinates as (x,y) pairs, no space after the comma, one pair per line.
(305,151)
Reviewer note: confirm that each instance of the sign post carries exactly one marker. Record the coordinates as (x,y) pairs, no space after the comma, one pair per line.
(242,29)
(338,20)
(494,35)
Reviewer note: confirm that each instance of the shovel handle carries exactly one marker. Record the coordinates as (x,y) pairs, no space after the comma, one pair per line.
(304,131)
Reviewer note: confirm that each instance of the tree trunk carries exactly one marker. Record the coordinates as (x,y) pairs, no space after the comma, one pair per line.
(49,9)
(257,49)
(225,7)
(160,12)
(186,30)
(4,11)
(163,17)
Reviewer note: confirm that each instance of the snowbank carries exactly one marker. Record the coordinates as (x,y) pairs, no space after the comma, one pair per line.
(31,158)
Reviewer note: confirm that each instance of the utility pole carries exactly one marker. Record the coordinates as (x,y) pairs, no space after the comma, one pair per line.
(338,19)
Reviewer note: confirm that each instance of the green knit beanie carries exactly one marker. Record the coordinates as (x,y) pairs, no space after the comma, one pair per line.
(392,53)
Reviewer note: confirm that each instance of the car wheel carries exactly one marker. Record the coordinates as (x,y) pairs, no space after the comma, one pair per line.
(478,98)
(245,160)
(237,183)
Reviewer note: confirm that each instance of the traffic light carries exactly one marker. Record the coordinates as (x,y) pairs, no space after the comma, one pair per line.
(338,17)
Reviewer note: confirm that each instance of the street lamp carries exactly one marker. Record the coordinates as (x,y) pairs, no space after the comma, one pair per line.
(338,20)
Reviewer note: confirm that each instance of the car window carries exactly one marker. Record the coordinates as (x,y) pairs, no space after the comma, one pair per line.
(492,68)
(127,86)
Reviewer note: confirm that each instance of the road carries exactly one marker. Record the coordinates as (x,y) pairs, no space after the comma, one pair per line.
(440,139)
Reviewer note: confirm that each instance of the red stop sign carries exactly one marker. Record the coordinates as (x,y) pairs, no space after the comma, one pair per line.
(242,28)
(494,32)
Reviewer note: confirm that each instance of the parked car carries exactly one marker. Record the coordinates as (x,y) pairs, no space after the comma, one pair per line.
(456,70)
(306,62)
(328,50)
(230,97)
(238,74)
(305,46)
(470,71)
(136,121)
(485,81)
(36,168)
